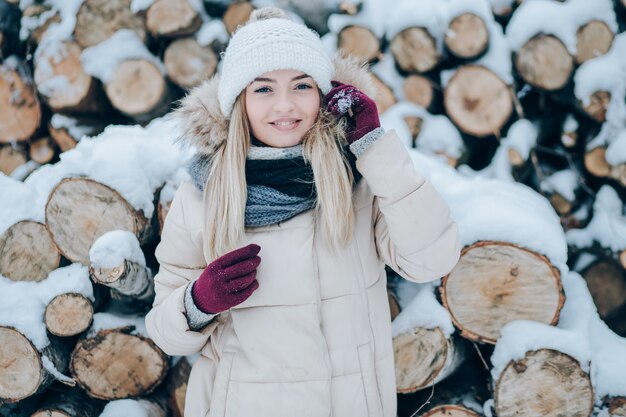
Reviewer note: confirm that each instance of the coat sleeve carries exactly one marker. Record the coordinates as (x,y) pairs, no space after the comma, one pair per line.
(181,261)
(413,230)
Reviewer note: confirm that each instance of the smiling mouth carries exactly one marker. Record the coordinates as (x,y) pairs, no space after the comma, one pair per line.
(286,124)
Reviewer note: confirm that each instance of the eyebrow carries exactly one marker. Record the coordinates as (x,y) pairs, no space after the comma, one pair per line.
(271,80)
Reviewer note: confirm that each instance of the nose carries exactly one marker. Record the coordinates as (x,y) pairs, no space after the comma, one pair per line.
(284,102)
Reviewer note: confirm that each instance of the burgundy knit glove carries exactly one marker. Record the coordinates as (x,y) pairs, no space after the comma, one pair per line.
(344,98)
(227,281)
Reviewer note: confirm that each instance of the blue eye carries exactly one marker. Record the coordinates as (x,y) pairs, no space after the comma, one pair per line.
(303,86)
(262,90)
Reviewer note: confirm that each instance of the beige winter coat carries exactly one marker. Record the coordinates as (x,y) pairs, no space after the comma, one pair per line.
(314,339)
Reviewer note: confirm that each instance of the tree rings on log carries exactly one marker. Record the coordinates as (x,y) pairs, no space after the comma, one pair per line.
(237,14)
(74,216)
(61,80)
(27,252)
(467,36)
(359,42)
(172,18)
(98,20)
(188,63)
(20,114)
(607,284)
(68,314)
(422,358)
(592,40)
(22,371)
(495,283)
(114,365)
(545,63)
(478,101)
(138,89)
(450,411)
(129,278)
(545,383)
(418,90)
(415,50)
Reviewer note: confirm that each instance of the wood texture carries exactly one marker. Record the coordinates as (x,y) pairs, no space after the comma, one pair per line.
(68,314)
(129,278)
(593,39)
(172,18)
(414,50)
(467,36)
(98,20)
(20,114)
(545,63)
(495,283)
(189,63)
(359,42)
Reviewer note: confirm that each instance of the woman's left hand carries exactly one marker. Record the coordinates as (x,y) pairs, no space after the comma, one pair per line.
(344,99)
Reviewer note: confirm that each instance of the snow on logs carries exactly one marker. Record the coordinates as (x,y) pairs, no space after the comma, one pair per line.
(20,112)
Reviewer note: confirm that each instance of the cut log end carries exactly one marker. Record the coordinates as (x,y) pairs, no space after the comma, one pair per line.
(545,63)
(593,39)
(419,358)
(478,101)
(22,372)
(42,150)
(515,158)
(98,20)
(607,285)
(237,14)
(595,162)
(419,90)
(11,157)
(495,283)
(68,314)
(27,252)
(414,50)
(384,95)
(189,63)
(598,105)
(137,88)
(545,383)
(114,365)
(467,36)
(450,411)
(560,204)
(359,42)
(20,113)
(169,18)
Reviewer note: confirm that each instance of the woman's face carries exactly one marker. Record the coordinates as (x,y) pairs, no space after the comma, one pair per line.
(282,106)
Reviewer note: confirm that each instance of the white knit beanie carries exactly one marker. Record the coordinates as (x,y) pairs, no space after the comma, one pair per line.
(270,41)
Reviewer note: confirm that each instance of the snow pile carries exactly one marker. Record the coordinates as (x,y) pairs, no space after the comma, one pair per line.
(57,31)
(437,134)
(210,31)
(128,408)
(608,225)
(607,73)
(539,17)
(134,161)
(369,17)
(423,311)
(112,248)
(17,203)
(49,84)
(102,60)
(71,125)
(563,182)
(110,320)
(22,303)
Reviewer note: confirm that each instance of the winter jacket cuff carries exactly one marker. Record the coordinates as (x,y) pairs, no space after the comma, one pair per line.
(196,318)
(359,146)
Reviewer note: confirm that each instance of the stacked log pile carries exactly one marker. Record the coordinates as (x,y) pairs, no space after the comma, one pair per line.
(483,86)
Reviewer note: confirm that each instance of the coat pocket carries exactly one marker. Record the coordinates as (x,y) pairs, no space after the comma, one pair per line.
(220,386)
(370,382)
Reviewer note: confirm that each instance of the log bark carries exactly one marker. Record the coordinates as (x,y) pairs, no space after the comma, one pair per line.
(177,386)
(98,20)
(138,89)
(419,90)
(74,216)
(22,372)
(545,383)
(68,314)
(11,157)
(129,279)
(63,83)
(69,402)
(27,252)
(415,50)
(359,42)
(424,357)
(115,365)
(20,113)
(467,36)
(616,406)
(478,101)
(394,306)
(545,63)
(172,18)
(42,150)
(188,63)
(497,282)
(237,13)
(9,28)
(592,40)
(607,284)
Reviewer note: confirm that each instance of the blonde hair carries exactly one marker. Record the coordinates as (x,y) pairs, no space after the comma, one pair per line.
(225,192)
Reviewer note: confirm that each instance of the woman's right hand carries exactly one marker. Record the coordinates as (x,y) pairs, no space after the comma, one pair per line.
(227,281)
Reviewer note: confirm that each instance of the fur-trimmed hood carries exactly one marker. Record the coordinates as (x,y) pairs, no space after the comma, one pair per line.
(205,127)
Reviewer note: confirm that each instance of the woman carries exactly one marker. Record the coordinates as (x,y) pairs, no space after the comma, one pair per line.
(272,257)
